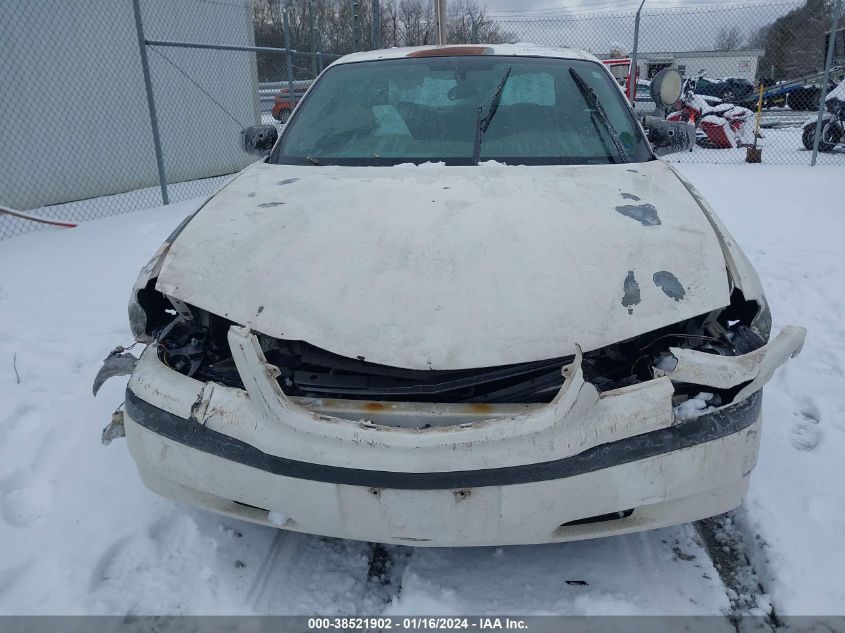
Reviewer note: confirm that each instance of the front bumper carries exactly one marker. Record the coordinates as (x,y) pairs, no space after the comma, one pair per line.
(478,475)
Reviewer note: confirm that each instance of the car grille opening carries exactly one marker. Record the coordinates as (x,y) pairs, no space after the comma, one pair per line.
(601,518)
(199,348)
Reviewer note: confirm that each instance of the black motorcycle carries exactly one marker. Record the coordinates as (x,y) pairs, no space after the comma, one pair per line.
(833,123)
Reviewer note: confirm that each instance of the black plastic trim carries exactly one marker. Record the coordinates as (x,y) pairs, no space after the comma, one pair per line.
(708,427)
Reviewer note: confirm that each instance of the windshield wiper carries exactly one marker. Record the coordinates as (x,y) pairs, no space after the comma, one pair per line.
(481,124)
(596,108)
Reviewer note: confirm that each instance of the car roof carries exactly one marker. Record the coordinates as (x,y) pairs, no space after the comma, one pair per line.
(515,50)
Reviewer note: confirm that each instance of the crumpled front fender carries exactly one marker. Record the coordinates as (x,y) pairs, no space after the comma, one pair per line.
(418,437)
(723,372)
(486,435)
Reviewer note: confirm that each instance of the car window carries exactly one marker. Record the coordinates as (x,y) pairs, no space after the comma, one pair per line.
(426,109)
(537,88)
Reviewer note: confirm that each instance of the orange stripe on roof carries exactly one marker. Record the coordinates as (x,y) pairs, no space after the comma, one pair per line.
(449,51)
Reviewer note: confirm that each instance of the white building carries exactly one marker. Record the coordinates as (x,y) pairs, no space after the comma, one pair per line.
(715,64)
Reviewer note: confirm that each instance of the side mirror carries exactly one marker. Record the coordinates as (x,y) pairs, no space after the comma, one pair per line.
(669,137)
(666,87)
(259,139)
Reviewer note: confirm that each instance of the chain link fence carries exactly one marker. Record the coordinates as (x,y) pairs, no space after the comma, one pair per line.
(116,105)
(730,53)
(75,124)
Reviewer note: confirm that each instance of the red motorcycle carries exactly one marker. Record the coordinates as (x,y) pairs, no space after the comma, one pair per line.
(719,125)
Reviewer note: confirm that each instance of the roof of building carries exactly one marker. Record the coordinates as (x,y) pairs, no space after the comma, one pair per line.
(746,52)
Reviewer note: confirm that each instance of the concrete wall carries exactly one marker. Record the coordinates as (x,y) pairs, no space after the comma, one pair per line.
(74,122)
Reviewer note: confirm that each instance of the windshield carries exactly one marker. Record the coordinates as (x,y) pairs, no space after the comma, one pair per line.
(414,110)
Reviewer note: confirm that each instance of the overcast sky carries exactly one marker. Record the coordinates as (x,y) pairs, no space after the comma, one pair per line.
(582,5)
(600,25)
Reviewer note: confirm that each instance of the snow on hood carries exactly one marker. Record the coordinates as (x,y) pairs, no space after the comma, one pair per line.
(451,267)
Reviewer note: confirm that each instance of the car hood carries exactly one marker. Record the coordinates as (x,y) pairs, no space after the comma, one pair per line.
(451,267)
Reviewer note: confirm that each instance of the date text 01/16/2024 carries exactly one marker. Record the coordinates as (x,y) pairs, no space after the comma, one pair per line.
(416,623)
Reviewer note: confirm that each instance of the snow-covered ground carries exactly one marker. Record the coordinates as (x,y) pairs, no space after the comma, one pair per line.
(80,534)
(781,146)
(790,221)
(107,206)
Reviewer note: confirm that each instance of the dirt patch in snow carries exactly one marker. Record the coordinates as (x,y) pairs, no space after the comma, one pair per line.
(726,544)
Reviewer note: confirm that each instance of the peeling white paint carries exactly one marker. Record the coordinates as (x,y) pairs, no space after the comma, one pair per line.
(446,268)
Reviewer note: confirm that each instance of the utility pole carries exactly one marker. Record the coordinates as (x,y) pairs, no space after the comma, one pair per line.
(356,28)
(313,37)
(319,47)
(440,14)
(632,81)
(376,24)
(288,56)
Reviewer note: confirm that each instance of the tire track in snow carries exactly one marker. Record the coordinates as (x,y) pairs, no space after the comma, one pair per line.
(638,547)
(305,574)
(283,557)
(385,571)
(665,571)
(728,548)
(661,572)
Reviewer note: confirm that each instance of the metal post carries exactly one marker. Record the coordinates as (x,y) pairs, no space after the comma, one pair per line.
(356,28)
(474,36)
(440,14)
(830,48)
(289,57)
(281,50)
(312,37)
(376,24)
(319,55)
(151,105)
(632,82)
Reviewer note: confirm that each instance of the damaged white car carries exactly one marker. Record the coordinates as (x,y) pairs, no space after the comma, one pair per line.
(460,302)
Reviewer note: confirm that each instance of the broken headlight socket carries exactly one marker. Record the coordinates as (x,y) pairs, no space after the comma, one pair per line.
(761,324)
(137,314)
(138,321)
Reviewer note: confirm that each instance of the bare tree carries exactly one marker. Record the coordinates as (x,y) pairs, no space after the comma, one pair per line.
(728,39)
(416,22)
(389,23)
(467,21)
(403,23)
